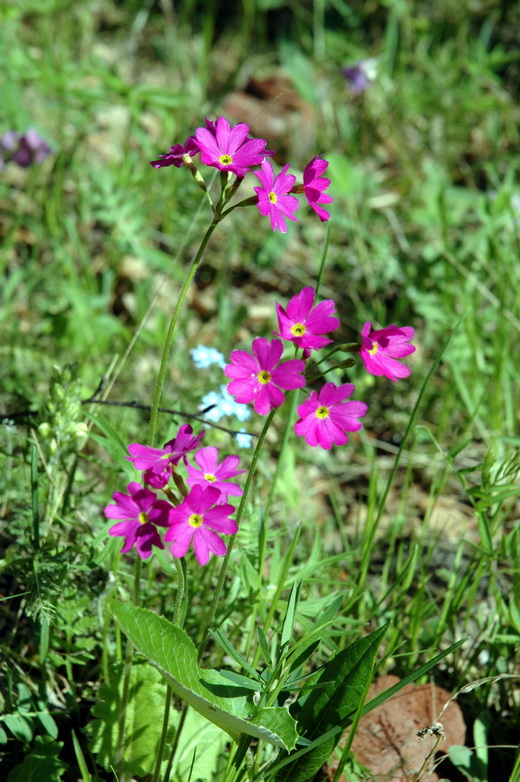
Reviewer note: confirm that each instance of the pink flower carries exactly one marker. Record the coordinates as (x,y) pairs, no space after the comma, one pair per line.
(272,196)
(211,473)
(175,156)
(158,462)
(325,417)
(198,519)
(258,379)
(302,324)
(229,149)
(314,185)
(140,511)
(380,348)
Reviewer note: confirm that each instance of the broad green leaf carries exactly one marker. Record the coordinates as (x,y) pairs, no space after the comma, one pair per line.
(143,719)
(200,744)
(41,764)
(345,678)
(171,651)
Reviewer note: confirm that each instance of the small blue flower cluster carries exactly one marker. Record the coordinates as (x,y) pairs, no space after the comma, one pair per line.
(221,402)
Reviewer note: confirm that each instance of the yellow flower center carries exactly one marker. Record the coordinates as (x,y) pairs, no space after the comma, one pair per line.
(143,518)
(298,330)
(264,377)
(373,350)
(225,160)
(209,477)
(195,520)
(273,197)
(322,412)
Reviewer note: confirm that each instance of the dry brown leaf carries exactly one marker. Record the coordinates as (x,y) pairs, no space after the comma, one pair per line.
(386,741)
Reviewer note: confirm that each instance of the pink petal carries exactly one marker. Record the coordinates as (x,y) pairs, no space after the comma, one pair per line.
(268,354)
(300,305)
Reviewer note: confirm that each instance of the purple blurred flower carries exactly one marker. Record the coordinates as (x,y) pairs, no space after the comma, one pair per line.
(23,148)
(361,75)
(140,511)
(273,198)
(198,519)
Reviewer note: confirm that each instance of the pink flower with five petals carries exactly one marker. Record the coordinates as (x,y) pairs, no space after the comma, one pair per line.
(259,378)
(229,149)
(198,519)
(211,473)
(304,324)
(381,348)
(273,198)
(140,511)
(325,417)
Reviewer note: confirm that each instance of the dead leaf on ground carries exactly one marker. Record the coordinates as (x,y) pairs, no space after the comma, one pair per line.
(386,741)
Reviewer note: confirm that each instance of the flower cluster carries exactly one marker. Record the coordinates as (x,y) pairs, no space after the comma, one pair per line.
(232,150)
(23,148)
(261,377)
(198,516)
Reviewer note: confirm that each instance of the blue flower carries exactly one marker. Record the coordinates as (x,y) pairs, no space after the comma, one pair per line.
(203,357)
(224,404)
(244,440)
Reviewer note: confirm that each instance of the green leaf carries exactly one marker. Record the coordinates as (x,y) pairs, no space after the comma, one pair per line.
(288,622)
(82,764)
(42,763)
(143,719)
(48,724)
(112,443)
(334,704)
(171,651)
(230,649)
(20,727)
(262,640)
(200,744)
(242,681)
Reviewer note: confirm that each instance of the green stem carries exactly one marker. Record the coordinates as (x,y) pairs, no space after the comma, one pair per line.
(181,589)
(126,680)
(323,259)
(151,437)
(240,513)
(171,331)
(181,571)
(175,744)
(164,732)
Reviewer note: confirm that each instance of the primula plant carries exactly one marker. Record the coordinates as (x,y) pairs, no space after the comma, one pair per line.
(189,501)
